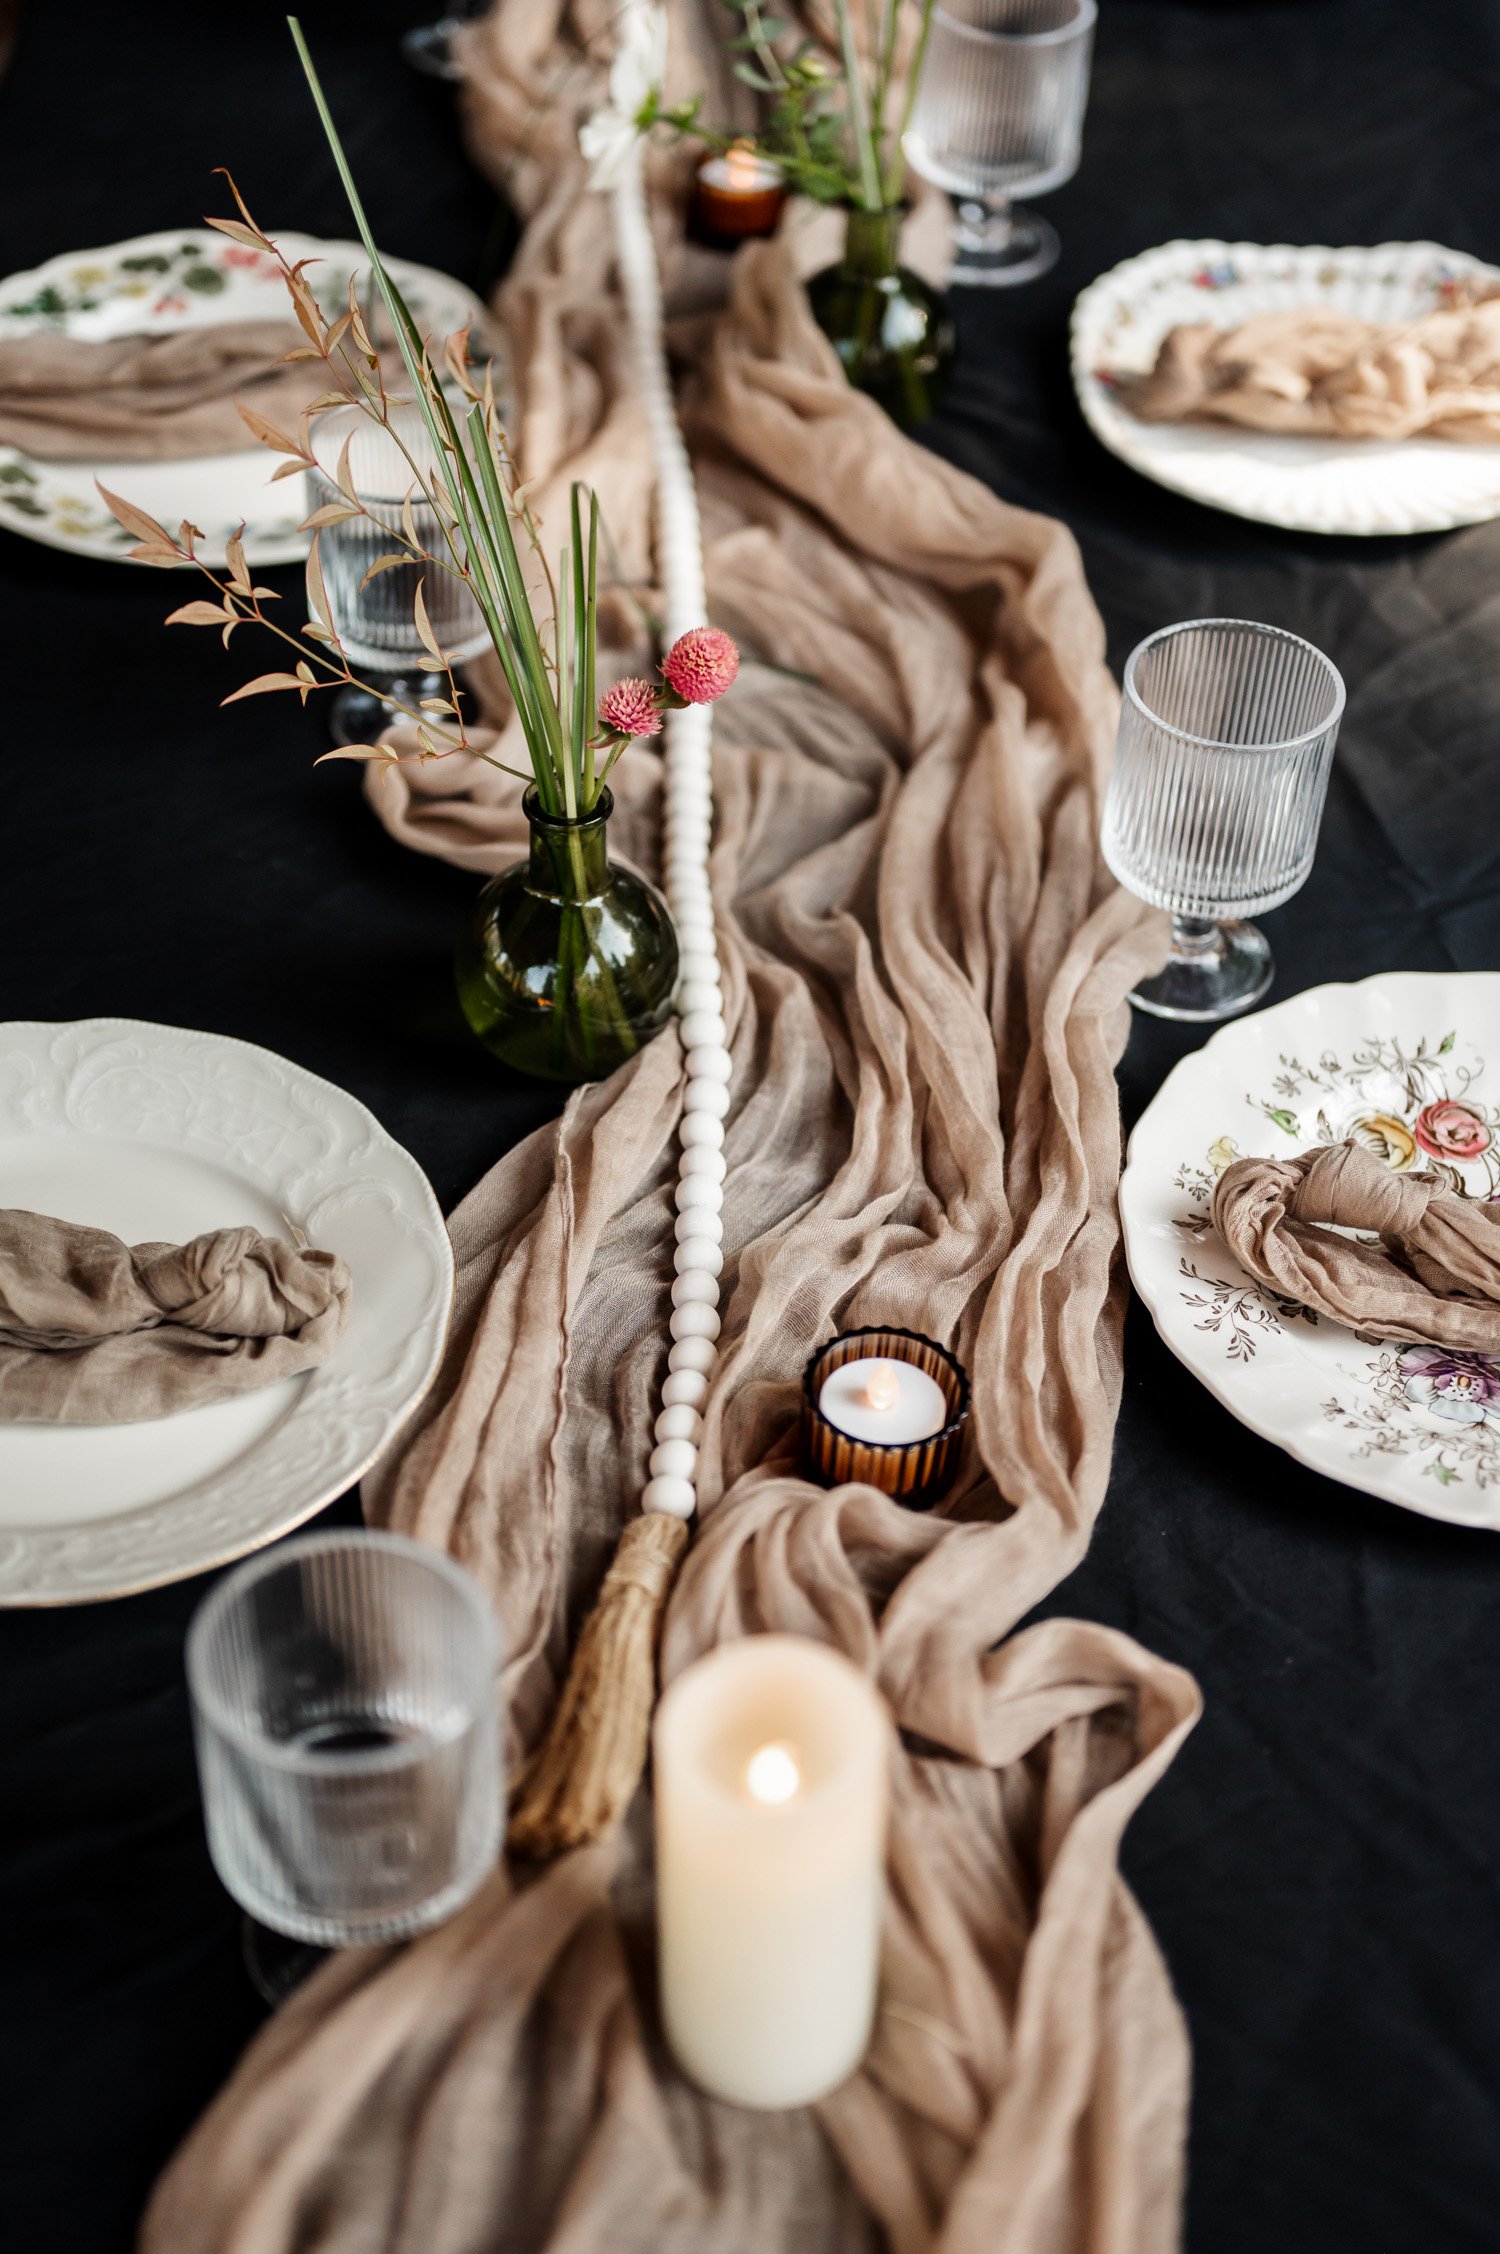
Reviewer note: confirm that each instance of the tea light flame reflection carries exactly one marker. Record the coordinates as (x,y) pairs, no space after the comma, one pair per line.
(773,1776)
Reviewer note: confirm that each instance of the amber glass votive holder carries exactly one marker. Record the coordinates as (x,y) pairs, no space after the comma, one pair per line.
(737,198)
(911,1470)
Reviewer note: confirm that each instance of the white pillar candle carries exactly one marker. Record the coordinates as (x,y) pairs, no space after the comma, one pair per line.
(879,1398)
(771,1780)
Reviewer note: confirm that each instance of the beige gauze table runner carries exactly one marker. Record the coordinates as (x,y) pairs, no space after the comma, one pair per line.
(925,981)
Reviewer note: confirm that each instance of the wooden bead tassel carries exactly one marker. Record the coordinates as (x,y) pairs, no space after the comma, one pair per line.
(586,1772)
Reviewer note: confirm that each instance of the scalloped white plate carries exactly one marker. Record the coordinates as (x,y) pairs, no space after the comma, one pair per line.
(1363,486)
(186,278)
(1409,1064)
(160,1134)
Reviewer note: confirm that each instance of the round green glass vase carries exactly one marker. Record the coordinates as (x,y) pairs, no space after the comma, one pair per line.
(568,964)
(892,331)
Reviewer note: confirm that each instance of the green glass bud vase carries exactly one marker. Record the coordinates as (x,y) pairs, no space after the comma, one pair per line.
(568,964)
(891,330)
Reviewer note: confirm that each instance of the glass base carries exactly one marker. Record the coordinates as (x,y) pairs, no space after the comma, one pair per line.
(356,717)
(429,48)
(1215,970)
(994,249)
(275,1963)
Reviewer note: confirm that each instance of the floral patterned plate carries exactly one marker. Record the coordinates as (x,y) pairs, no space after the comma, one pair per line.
(1308,484)
(190,279)
(1408,1064)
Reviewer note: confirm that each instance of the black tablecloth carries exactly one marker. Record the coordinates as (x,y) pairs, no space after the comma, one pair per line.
(1320,1865)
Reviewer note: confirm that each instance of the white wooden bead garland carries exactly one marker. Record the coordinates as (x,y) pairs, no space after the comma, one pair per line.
(688,813)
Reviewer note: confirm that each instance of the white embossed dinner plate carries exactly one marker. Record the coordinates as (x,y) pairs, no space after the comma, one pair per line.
(189,278)
(1349,485)
(1409,1065)
(159,1134)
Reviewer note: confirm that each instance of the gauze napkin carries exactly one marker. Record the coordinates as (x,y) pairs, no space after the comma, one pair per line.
(1325,373)
(1434,1278)
(145,398)
(93,1331)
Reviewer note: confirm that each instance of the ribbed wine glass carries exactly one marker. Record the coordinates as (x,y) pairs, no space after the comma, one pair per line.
(999,112)
(1226,738)
(346,1720)
(375,620)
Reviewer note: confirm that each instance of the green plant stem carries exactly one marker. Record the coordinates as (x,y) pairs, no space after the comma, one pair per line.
(590,634)
(506,621)
(520,603)
(895,181)
(859,119)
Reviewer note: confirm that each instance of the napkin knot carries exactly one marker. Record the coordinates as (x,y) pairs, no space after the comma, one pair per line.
(1434,1279)
(238,1283)
(1344,1186)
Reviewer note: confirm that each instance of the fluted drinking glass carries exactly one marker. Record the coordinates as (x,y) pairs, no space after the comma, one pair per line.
(376,621)
(345,1715)
(999,113)
(1227,732)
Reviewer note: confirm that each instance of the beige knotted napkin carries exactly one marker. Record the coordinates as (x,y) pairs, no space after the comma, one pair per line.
(146,398)
(1434,1282)
(93,1331)
(1324,373)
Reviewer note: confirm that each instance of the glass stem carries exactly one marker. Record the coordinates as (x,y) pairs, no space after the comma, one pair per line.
(985,224)
(1196,939)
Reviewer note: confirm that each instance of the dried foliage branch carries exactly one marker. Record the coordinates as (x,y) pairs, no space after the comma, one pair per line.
(471,485)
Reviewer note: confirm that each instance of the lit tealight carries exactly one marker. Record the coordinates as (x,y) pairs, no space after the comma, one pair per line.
(772,1776)
(882,1387)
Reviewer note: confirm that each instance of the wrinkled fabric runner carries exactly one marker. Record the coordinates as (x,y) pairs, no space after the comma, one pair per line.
(1436,1282)
(925,980)
(1328,374)
(93,1331)
(143,398)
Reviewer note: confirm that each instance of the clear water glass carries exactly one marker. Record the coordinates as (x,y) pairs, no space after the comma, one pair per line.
(344,1692)
(999,113)
(376,621)
(1227,731)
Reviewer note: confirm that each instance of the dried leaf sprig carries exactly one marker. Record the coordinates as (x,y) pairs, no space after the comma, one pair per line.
(352,364)
(483,519)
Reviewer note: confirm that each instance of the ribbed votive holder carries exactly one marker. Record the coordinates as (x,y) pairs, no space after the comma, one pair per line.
(911,1470)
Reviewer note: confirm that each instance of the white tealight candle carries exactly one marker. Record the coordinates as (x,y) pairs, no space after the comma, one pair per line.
(771,1781)
(877,1398)
(744,172)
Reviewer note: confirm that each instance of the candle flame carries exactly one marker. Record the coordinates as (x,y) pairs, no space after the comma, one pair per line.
(742,165)
(772,1776)
(882,1388)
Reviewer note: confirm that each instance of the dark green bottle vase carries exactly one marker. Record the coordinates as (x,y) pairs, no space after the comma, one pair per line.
(568,963)
(891,330)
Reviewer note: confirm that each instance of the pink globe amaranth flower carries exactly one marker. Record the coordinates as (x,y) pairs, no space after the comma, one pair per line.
(1451,1130)
(630,709)
(701,664)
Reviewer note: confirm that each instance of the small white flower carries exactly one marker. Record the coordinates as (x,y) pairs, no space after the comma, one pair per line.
(636,74)
(606,140)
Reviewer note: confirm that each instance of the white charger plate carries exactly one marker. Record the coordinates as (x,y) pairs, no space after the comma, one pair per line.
(1348,485)
(1408,1064)
(159,1134)
(189,278)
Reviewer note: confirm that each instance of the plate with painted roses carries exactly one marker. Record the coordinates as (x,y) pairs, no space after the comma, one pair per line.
(1408,1065)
